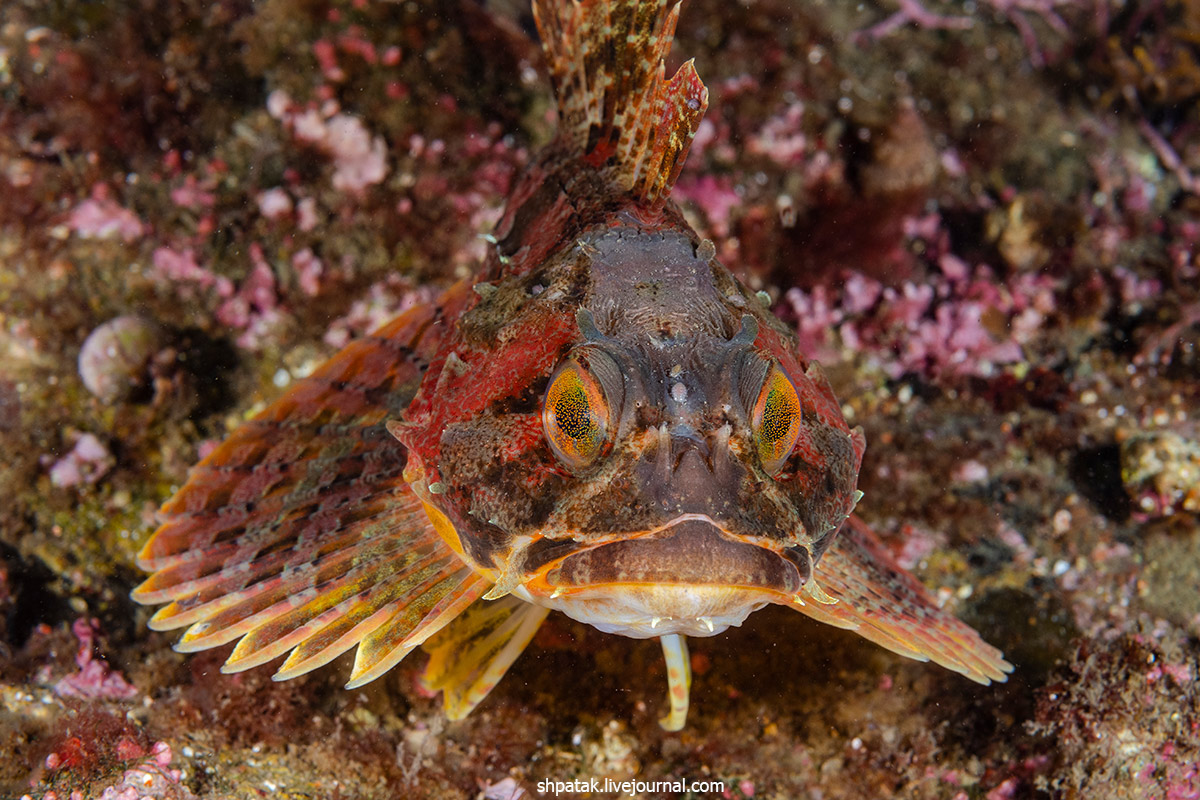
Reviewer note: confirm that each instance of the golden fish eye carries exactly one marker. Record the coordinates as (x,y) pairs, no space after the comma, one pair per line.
(575,415)
(776,420)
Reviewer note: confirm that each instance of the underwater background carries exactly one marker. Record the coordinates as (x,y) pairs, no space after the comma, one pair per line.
(983,218)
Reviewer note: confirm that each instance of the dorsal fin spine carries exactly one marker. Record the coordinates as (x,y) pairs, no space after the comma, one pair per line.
(616,107)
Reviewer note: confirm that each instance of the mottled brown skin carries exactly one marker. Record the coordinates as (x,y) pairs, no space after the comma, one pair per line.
(583,272)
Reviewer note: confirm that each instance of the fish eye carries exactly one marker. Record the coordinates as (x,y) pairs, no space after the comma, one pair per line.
(776,420)
(576,414)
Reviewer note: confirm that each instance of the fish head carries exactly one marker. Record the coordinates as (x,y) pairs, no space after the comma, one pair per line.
(675,464)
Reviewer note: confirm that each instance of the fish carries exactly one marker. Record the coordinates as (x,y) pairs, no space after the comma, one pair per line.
(604,422)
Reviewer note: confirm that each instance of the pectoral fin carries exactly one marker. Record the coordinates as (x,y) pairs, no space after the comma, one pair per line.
(299,532)
(471,654)
(879,601)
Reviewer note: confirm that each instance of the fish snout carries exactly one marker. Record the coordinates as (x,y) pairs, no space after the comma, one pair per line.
(693,473)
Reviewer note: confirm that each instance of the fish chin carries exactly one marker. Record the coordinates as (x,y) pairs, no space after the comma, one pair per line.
(687,578)
(647,611)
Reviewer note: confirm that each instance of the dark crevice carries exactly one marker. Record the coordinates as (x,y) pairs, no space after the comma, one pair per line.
(31,598)
(1096,473)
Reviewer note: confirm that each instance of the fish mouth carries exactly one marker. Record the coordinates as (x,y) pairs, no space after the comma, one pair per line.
(690,550)
(689,577)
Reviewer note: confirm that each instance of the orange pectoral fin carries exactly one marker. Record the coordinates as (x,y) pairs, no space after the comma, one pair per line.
(881,602)
(299,533)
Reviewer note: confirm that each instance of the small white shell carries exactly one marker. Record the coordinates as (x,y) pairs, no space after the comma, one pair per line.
(115,358)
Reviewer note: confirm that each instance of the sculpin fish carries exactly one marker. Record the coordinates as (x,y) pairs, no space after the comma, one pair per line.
(605,422)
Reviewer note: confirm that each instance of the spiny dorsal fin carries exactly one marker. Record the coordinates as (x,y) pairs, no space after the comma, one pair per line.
(615,105)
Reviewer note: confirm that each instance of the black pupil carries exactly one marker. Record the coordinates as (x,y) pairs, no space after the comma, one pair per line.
(573,413)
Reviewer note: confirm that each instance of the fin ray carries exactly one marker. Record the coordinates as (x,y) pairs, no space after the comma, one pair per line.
(882,603)
(358,593)
(470,655)
(412,625)
(299,532)
(399,610)
(615,105)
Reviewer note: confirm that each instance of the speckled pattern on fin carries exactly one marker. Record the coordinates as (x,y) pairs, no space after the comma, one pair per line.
(471,654)
(881,602)
(299,531)
(415,622)
(615,104)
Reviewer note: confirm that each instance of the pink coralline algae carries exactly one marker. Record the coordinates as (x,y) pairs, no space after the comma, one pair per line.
(970,471)
(352,42)
(1179,673)
(101,218)
(1134,290)
(1005,791)
(816,313)
(307,217)
(781,138)
(717,197)
(274,203)
(175,266)
(359,159)
(254,307)
(952,325)
(88,462)
(153,779)
(1175,778)
(917,544)
(193,194)
(308,269)
(94,680)
(382,302)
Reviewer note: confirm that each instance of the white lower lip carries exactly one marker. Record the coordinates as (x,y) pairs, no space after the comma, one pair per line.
(643,611)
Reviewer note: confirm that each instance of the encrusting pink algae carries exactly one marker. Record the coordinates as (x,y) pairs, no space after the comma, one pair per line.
(983,222)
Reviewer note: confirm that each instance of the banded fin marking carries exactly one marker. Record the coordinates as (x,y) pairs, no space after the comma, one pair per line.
(615,105)
(882,603)
(387,632)
(232,615)
(299,532)
(412,626)
(350,600)
(213,573)
(471,654)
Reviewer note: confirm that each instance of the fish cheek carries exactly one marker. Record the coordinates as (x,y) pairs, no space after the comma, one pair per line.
(769,513)
(499,472)
(607,502)
(820,480)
